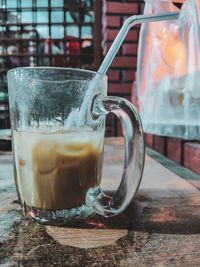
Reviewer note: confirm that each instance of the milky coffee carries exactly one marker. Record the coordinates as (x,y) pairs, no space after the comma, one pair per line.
(55,170)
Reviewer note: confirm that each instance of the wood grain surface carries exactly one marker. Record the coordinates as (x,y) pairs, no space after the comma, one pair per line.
(159,228)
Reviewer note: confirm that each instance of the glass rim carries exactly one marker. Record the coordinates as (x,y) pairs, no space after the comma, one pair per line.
(57,68)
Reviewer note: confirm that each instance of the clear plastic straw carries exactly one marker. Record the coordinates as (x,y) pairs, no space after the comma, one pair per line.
(128,23)
(77,117)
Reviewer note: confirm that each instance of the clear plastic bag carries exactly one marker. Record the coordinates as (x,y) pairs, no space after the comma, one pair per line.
(168,71)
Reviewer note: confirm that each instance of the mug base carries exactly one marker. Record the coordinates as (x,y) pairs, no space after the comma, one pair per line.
(57,217)
(66,216)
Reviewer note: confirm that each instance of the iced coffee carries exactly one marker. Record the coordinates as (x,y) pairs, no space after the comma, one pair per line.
(55,170)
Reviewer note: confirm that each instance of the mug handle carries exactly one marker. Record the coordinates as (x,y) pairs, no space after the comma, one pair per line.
(134,153)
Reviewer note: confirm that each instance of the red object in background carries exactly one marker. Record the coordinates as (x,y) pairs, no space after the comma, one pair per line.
(58,61)
(73,49)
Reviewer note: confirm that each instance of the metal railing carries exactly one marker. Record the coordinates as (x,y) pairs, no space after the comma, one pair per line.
(62,33)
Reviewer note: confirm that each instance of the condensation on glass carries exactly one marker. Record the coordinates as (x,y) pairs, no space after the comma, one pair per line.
(61,33)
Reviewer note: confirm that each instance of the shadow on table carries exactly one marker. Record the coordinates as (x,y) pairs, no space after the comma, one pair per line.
(168,215)
(103,241)
(96,242)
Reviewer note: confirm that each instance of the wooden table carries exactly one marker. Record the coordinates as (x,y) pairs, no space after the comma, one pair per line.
(161,227)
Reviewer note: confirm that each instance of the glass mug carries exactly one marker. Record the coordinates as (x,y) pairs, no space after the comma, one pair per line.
(58,125)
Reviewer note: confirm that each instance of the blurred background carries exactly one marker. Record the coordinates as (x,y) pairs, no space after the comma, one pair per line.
(68,33)
(60,33)
(78,33)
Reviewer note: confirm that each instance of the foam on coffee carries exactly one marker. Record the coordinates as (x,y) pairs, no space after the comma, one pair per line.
(55,170)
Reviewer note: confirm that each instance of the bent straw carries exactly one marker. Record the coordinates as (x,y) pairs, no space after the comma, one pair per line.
(77,117)
(128,23)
